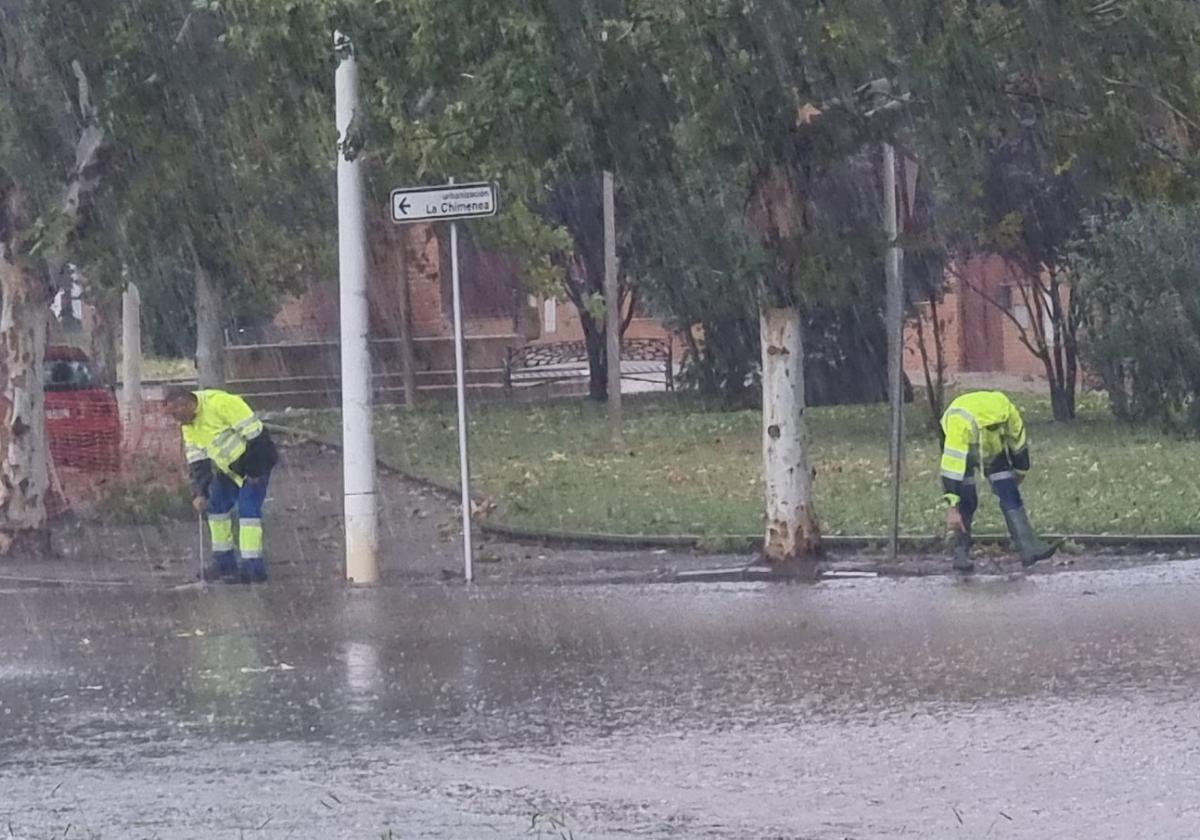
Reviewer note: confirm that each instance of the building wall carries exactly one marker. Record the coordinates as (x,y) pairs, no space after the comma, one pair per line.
(312,315)
(979,338)
(568,326)
(489,285)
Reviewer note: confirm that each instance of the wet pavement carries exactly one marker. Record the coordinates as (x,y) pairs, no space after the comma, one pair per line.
(1048,706)
(420,540)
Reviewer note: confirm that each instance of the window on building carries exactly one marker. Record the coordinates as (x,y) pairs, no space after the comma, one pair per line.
(1048,319)
(1012,302)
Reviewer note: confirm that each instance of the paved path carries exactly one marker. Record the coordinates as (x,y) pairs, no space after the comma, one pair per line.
(420,539)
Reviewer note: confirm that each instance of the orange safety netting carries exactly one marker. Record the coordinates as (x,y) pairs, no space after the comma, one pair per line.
(93,443)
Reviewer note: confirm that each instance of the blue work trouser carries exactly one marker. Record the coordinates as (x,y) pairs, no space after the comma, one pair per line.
(223,497)
(1001,477)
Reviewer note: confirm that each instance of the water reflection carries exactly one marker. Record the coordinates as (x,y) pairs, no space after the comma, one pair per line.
(363,675)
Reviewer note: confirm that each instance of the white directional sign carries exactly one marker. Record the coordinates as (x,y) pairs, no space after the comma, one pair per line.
(436,204)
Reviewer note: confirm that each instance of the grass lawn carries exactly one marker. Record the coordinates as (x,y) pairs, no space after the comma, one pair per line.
(163,367)
(685,469)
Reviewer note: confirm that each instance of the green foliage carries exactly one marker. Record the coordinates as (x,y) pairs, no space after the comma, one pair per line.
(217,158)
(540,247)
(47,79)
(1142,302)
(1027,119)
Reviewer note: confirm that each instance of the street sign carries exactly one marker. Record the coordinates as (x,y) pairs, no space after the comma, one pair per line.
(439,204)
(450,203)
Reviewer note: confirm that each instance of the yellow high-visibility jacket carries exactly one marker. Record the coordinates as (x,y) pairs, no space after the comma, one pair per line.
(223,427)
(979,426)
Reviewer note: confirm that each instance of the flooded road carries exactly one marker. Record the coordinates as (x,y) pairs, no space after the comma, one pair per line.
(1050,706)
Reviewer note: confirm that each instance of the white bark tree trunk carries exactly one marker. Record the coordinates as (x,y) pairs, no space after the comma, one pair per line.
(24,316)
(792,532)
(24,471)
(210,337)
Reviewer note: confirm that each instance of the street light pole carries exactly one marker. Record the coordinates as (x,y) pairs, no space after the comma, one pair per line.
(358,438)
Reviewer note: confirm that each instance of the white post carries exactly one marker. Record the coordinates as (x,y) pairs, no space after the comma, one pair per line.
(464,463)
(358,464)
(612,308)
(895,333)
(131,363)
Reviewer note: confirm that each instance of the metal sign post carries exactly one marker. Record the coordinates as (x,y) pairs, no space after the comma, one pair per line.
(460,381)
(449,203)
(612,309)
(895,333)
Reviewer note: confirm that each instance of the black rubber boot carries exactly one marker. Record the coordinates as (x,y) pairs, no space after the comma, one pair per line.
(960,542)
(223,567)
(253,571)
(1028,544)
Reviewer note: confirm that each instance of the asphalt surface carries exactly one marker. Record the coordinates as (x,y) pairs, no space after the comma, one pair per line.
(1053,706)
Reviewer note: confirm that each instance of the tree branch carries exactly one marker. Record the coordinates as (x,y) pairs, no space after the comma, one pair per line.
(1037,315)
(1161,100)
(183,30)
(84,179)
(631,297)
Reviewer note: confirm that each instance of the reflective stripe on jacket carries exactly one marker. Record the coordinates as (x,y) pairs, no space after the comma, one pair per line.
(219,432)
(980,426)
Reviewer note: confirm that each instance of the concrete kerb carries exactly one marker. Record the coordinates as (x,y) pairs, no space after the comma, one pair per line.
(747,543)
(445,490)
(29,582)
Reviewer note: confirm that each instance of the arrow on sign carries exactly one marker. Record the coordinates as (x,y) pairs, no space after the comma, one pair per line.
(403,206)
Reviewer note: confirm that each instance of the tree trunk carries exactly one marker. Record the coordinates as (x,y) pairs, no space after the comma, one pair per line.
(1062,398)
(792,536)
(105,328)
(935,372)
(24,471)
(210,338)
(594,340)
(408,356)
(387,295)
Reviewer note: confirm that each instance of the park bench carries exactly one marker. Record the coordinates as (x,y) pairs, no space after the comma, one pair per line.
(642,359)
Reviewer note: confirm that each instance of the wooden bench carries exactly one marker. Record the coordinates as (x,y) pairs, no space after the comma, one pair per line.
(642,360)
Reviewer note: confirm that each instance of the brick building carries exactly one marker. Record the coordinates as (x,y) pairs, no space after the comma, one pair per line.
(980,341)
(493,305)
(294,360)
(976,316)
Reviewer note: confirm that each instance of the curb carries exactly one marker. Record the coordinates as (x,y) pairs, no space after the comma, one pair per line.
(447,491)
(63,583)
(749,544)
(745,543)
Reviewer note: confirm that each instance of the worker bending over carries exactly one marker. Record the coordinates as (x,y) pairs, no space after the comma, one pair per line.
(230,456)
(984,429)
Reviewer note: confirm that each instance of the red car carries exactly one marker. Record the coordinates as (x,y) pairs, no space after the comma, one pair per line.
(83,421)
